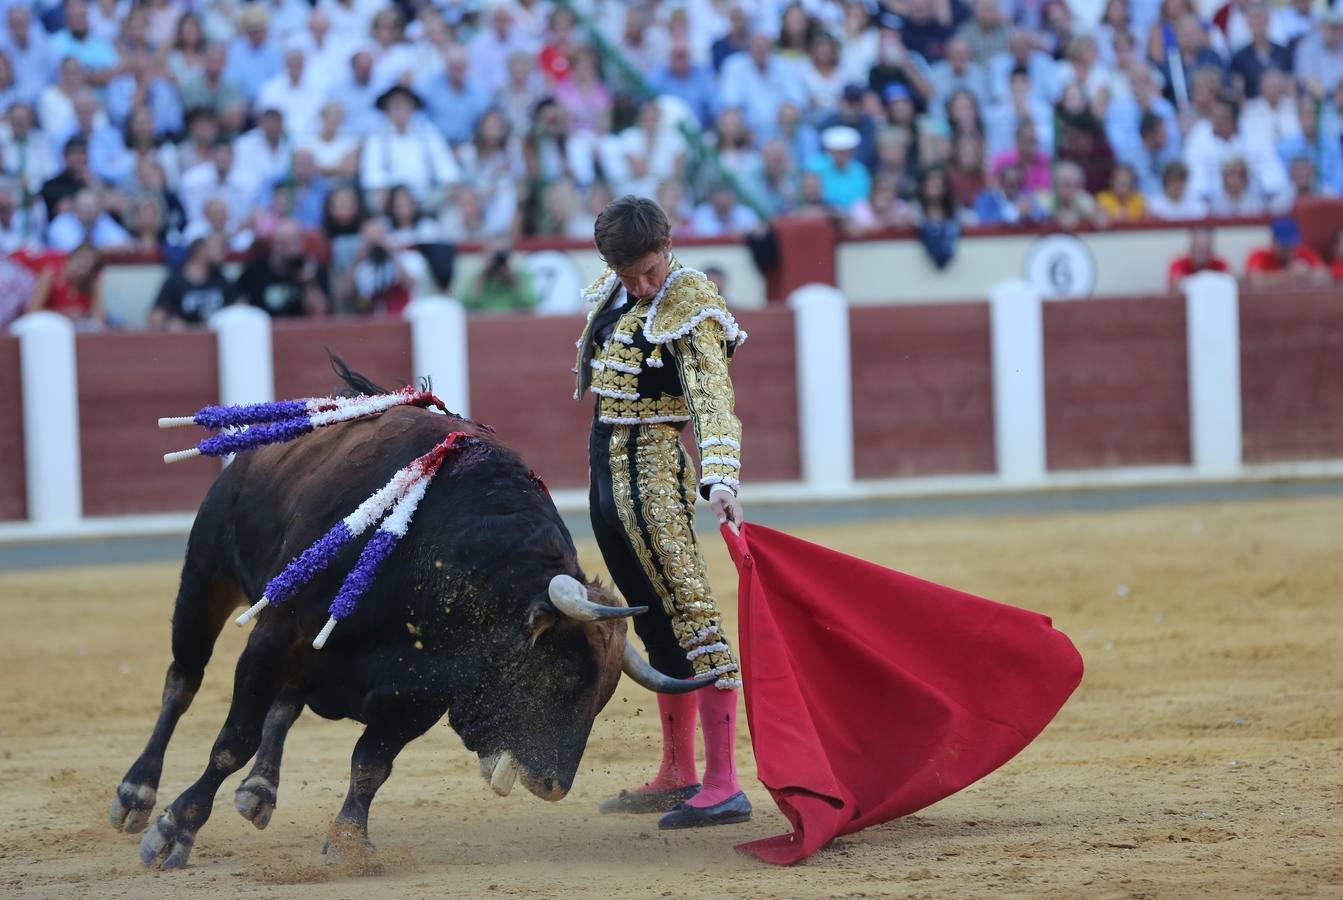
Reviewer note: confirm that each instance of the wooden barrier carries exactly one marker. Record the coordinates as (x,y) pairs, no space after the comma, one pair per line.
(1291,360)
(13,492)
(522,386)
(765,379)
(1116,383)
(377,348)
(922,390)
(126,381)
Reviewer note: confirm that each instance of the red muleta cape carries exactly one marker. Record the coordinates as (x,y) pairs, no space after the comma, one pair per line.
(871,694)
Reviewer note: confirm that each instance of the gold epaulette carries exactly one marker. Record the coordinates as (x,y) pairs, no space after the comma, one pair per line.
(686,300)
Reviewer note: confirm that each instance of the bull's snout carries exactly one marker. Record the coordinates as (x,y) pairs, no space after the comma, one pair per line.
(501,770)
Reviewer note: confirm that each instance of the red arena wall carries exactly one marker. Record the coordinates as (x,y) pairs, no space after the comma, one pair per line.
(126,381)
(378,348)
(922,390)
(1291,368)
(13,489)
(1116,383)
(764,375)
(522,385)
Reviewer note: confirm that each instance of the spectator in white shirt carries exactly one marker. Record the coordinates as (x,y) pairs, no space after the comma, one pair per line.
(1273,114)
(335,153)
(86,223)
(393,58)
(821,73)
(350,19)
(957,72)
(325,52)
(1176,202)
(406,151)
(1023,52)
(1319,55)
(265,152)
(859,43)
(1238,196)
(518,97)
(758,82)
(294,93)
(56,104)
(493,45)
(1212,141)
(722,215)
(26,154)
(29,51)
(1293,20)
(219,177)
(653,151)
(358,92)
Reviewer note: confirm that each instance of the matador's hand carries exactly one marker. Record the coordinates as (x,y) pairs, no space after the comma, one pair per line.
(727,508)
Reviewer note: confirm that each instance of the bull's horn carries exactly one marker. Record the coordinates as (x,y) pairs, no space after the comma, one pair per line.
(645,675)
(570,597)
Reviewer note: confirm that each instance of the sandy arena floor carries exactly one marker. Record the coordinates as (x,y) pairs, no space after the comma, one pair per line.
(1200,757)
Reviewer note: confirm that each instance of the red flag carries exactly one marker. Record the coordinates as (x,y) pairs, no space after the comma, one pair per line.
(871,694)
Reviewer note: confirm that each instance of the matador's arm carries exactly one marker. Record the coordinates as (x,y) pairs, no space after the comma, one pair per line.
(701,359)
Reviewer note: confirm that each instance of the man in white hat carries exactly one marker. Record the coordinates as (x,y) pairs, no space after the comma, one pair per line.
(844,180)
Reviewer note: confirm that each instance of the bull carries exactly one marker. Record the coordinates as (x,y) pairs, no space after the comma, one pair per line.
(482,613)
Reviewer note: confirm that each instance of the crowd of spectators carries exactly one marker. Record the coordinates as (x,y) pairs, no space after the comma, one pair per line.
(397,128)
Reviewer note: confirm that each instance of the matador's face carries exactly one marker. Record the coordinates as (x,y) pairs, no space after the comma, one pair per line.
(646,275)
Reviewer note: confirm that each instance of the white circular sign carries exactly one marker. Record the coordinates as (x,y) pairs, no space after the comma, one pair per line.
(558,285)
(1061,266)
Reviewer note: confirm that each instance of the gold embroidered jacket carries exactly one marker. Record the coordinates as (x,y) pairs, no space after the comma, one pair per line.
(622,358)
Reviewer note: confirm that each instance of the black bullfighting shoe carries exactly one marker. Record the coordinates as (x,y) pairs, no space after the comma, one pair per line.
(648,801)
(731,811)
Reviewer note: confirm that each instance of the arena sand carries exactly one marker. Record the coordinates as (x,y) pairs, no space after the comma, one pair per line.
(1201,756)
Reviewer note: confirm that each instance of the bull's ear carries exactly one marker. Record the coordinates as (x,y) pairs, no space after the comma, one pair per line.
(541,616)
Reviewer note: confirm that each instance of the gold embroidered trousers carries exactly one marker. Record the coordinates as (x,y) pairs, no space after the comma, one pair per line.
(642,500)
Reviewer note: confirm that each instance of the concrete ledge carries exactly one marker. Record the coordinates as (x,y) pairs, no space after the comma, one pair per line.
(575,500)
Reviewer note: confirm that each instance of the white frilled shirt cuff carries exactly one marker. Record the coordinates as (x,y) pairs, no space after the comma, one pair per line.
(721,487)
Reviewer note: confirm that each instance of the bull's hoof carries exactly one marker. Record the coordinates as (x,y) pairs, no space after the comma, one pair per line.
(347,844)
(165,845)
(255,800)
(131,807)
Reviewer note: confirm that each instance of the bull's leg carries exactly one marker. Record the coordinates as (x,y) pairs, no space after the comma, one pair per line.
(256,796)
(203,606)
(370,767)
(255,685)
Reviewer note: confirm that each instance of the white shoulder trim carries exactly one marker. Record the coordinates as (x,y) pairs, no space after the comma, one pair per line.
(597,292)
(734,333)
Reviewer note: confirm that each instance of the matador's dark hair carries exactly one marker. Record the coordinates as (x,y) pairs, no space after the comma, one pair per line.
(629,229)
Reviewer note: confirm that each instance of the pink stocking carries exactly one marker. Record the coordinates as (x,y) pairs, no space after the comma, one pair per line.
(718,717)
(677,712)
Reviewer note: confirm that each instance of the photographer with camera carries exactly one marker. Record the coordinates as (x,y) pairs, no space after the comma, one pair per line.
(284,281)
(383,276)
(499,287)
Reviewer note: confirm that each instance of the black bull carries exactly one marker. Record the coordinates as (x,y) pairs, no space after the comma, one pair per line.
(462,619)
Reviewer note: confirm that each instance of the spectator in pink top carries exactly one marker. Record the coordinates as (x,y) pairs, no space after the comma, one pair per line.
(585,95)
(1033,161)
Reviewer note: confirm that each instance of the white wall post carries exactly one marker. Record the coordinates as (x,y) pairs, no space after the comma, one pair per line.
(439,351)
(1212,327)
(1016,325)
(824,387)
(246,367)
(50,418)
